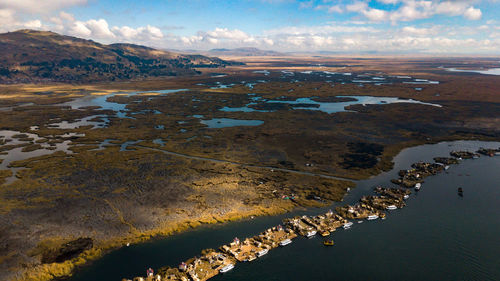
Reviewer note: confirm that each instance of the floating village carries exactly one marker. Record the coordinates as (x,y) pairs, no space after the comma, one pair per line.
(212,262)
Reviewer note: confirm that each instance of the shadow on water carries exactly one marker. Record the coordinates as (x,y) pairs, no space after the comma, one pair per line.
(438,236)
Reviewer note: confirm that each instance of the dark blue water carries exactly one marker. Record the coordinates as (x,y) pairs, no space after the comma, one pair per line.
(438,236)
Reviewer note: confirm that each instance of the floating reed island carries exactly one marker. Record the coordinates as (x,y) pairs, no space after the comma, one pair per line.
(212,262)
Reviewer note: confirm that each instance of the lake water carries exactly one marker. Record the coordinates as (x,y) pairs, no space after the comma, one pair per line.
(228,122)
(17,154)
(438,236)
(491,71)
(328,107)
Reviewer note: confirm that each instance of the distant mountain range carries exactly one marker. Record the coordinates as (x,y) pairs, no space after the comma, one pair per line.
(42,56)
(243,52)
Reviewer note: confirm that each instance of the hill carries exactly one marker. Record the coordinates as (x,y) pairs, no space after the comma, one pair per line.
(243,52)
(44,56)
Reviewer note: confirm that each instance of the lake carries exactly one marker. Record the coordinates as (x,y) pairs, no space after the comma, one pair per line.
(438,236)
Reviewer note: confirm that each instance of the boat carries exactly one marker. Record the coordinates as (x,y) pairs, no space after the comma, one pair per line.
(311,233)
(406,196)
(372,217)
(418,186)
(251,258)
(497,153)
(347,225)
(328,243)
(391,207)
(324,233)
(460,192)
(226,268)
(446,167)
(262,252)
(285,242)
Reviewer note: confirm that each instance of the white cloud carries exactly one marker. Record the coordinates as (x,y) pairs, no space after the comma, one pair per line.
(33,24)
(224,33)
(473,13)
(410,10)
(411,30)
(80,29)
(99,29)
(357,7)
(39,6)
(375,14)
(331,9)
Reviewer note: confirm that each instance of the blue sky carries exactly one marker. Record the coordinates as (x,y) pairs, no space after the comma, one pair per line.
(347,26)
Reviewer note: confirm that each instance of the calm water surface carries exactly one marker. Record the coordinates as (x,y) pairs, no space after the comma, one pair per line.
(491,71)
(438,236)
(229,122)
(328,107)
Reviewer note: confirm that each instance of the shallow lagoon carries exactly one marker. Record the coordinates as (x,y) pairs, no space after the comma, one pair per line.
(229,122)
(328,107)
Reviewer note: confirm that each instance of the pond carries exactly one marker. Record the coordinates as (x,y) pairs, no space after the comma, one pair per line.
(328,107)
(229,122)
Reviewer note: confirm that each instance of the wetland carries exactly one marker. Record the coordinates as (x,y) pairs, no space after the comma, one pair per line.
(131,162)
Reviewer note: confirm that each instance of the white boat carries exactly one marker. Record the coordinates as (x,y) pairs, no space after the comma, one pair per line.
(497,153)
(285,242)
(226,268)
(348,225)
(391,207)
(446,167)
(262,253)
(406,196)
(311,233)
(372,217)
(418,186)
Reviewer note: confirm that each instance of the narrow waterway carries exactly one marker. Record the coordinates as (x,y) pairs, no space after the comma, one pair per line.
(438,236)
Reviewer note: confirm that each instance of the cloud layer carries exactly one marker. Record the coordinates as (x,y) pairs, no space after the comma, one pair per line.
(388,25)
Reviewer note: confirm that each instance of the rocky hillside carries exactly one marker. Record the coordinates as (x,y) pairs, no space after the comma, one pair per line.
(42,56)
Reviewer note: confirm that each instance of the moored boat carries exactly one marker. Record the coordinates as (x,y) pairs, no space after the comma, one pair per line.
(372,217)
(391,207)
(347,225)
(262,252)
(285,242)
(406,196)
(328,243)
(324,233)
(311,233)
(418,186)
(226,268)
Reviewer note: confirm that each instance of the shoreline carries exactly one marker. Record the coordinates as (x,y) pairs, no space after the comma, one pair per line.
(66,269)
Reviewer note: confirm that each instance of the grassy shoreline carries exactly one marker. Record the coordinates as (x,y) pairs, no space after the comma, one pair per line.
(56,271)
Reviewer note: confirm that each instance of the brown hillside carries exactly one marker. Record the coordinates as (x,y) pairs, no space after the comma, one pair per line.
(44,56)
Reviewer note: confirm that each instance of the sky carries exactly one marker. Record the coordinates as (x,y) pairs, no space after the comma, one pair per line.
(343,26)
